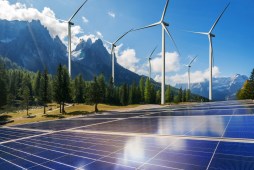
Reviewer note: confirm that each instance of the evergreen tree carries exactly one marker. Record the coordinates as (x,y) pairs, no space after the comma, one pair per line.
(26,97)
(142,89)
(102,88)
(184,95)
(3,86)
(180,95)
(110,92)
(158,97)
(124,95)
(153,94)
(167,95)
(79,89)
(188,94)
(148,91)
(44,89)
(66,88)
(94,94)
(57,86)
(36,85)
(252,75)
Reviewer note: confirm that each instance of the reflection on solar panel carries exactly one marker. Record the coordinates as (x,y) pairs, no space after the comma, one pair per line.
(207,136)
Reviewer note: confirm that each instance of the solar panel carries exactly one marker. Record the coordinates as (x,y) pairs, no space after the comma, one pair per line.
(161,138)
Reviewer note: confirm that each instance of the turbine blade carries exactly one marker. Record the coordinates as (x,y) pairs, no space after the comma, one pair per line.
(152,52)
(166,29)
(77,11)
(203,33)
(192,60)
(164,11)
(148,26)
(122,36)
(219,18)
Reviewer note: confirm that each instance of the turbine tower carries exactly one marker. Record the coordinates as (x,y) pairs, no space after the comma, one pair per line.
(113,45)
(69,37)
(210,37)
(149,62)
(189,67)
(164,26)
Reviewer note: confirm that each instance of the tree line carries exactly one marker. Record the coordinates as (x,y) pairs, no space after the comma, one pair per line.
(23,88)
(247,91)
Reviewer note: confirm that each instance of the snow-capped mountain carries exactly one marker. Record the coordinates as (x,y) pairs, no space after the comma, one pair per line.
(224,88)
(30,45)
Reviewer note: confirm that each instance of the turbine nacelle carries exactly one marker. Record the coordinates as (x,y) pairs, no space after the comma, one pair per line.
(70,23)
(164,23)
(211,35)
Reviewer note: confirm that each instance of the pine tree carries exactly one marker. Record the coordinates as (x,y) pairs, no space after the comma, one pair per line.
(26,97)
(184,95)
(3,86)
(102,87)
(79,89)
(110,92)
(252,75)
(158,96)
(36,85)
(142,89)
(57,86)
(180,95)
(148,91)
(94,94)
(44,89)
(168,94)
(66,88)
(124,95)
(188,94)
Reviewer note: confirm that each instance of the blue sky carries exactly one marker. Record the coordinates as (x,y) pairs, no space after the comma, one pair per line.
(233,44)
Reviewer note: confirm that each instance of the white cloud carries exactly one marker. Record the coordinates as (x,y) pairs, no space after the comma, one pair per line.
(111,14)
(85,20)
(172,63)
(127,58)
(196,77)
(99,34)
(21,12)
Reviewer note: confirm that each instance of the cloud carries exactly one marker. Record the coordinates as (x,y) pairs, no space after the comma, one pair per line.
(99,34)
(196,77)
(85,20)
(127,58)
(172,63)
(111,14)
(21,12)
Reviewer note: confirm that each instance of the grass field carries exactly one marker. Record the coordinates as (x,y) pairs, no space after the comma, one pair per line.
(19,116)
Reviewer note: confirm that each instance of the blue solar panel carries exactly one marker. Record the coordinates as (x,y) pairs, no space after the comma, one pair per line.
(157,139)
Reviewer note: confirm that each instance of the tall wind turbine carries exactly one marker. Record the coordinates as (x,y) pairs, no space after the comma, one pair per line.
(69,37)
(113,45)
(164,26)
(189,67)
(210,36)
(149,60)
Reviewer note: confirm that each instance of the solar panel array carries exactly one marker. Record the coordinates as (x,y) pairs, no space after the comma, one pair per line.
(217,135)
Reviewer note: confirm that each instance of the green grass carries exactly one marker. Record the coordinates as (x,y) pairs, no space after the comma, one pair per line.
(18,115)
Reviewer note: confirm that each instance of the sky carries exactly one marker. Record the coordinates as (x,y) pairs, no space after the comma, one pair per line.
(108,19)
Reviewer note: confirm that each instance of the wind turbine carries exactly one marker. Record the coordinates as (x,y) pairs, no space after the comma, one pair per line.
(210,36)
(113,45)
(164,26)
(149,60)
(189,67)
(69,37)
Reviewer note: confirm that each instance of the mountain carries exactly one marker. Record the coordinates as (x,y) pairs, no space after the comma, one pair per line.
(223,87)
(30,45)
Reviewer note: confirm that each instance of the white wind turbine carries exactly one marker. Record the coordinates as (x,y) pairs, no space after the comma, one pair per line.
(113,45)
(149,62)
(164,26)
(69,37)
(210,36)
(189,67)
